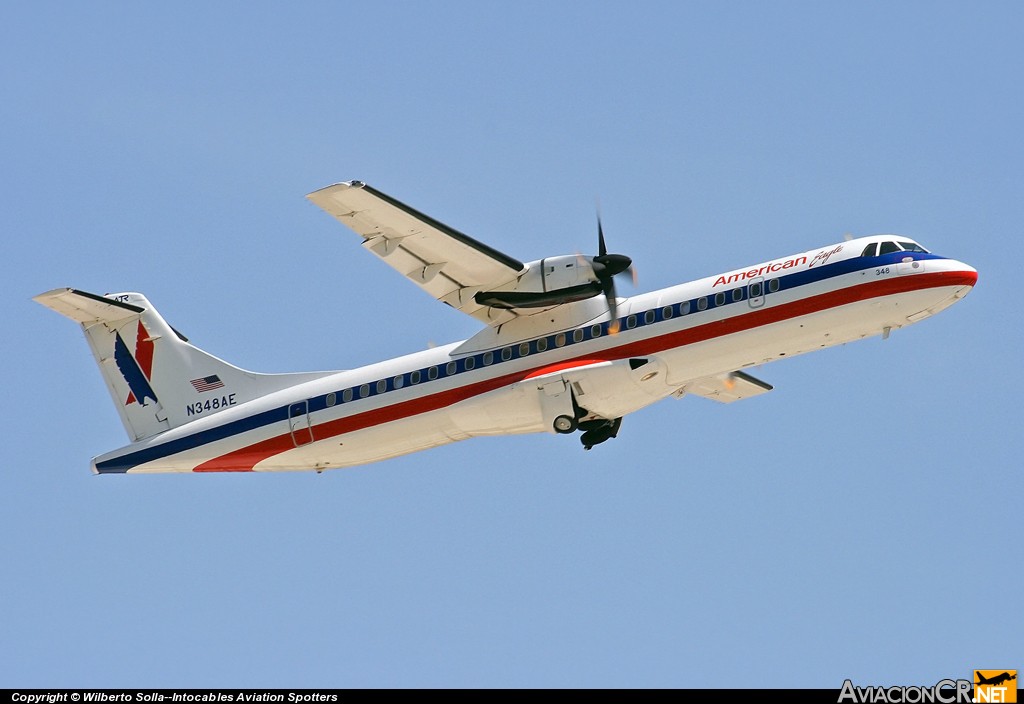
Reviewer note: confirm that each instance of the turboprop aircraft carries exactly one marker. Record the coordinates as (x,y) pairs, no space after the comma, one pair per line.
(559,350)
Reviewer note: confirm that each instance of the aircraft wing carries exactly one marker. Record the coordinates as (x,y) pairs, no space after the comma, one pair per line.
(726,388)
(450,266)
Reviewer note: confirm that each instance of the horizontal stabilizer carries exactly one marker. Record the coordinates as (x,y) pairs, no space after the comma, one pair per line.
(86,308)
(726,388)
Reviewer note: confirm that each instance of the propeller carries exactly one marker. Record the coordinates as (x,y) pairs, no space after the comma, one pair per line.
(606,268)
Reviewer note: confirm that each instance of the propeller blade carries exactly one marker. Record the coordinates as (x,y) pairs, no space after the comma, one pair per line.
(606,267)
(613,305)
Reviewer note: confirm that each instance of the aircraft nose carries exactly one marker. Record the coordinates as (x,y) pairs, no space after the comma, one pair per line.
(966,274)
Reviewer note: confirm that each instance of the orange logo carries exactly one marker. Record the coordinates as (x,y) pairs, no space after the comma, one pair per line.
(995,685)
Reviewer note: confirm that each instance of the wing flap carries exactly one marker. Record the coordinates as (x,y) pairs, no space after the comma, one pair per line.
(729,387)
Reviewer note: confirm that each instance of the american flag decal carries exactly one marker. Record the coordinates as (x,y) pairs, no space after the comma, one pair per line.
(207,383)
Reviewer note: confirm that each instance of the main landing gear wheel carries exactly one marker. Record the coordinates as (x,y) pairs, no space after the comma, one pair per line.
(565,424)
(598,431)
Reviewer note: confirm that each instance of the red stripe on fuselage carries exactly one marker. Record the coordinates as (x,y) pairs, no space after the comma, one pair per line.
(246,458)
(562,366)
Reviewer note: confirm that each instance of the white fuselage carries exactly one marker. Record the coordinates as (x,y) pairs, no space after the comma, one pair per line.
(491,385)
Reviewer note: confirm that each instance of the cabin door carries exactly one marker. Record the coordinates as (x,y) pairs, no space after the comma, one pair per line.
(298,423)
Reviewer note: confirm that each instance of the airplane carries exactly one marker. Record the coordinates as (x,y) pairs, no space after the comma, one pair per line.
(995,680)
(559,351)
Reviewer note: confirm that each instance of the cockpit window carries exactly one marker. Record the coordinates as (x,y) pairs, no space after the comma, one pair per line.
(870,250)
(888,248)
(913,247)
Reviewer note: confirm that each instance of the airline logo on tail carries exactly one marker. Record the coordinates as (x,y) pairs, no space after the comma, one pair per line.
(137,370)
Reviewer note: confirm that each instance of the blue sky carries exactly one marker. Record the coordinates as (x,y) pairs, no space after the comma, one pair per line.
(854,523)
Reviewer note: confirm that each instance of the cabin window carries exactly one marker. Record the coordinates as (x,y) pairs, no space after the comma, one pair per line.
(913,247)
(451,368)
(542,344)
(469,363)
(719,299)
(684,308)
(773,285)
(432,373)
(666,312)
(630,322)
(524,349)
(382,386)
(398,382)
(332,398)
(702,303)
(649,317)
(364,391)
(871,250)
(756,290)
(346,395)
(737,294)
(414,377)
(560,340)
(888,248)
(595,331)
(506,354)
(577,335)
(488,359)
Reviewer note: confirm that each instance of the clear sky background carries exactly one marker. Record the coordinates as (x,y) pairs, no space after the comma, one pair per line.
(857,522)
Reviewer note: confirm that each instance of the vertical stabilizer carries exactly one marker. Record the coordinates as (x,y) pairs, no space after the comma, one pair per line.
(156,378)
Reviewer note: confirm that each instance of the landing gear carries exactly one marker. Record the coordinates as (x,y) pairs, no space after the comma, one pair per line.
(596,432)
(565,424)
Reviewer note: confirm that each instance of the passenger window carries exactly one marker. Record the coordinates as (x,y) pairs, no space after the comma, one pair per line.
(870,250)
(382,386)
(630,322)
(649,317)
(506,354)
(398,382)
(737,294)
(451,368)
(577,335)
(756,289)
(488,359)
(684,308)
(364,391)
(773,285)
(888,248)
(719,299)
(332,398)
(702,303)
(524,349)
(469,363)
(432,373)
(346,395)
(595,331)
(414,377)
(560,339)
(666,312)
(542,344)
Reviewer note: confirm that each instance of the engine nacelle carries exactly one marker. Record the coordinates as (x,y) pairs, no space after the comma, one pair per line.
(547,282)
